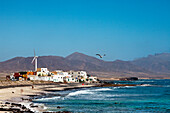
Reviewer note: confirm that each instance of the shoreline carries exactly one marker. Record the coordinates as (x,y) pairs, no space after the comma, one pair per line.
(18,99)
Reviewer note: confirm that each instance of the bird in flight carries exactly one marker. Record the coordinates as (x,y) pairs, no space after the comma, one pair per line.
(100,55)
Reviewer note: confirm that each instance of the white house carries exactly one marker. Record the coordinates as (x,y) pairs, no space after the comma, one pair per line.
(81,76)
(41,78)
(58,78)
(70,79)
(59,75)
(32,77)
(46,78)
(92,79)
(42,72)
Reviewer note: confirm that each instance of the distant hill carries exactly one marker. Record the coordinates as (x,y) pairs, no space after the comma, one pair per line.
(90,63)
(159,63)
(144,67)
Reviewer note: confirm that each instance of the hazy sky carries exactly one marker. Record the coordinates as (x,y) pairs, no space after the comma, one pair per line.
(122,29)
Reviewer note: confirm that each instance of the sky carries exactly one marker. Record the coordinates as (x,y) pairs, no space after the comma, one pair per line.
(121,29)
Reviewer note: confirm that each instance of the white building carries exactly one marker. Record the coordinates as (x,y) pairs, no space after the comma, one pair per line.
(60,76)
(32,77)
(70,79)
(92,79)
(41,78)
(81,76)
(42,72)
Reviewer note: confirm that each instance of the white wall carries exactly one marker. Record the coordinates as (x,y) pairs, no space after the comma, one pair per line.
(58,78)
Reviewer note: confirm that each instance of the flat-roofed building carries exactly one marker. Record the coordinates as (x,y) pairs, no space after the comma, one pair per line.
(42,72)
(81,76)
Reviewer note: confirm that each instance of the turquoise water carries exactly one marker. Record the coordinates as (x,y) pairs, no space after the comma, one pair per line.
(150,97)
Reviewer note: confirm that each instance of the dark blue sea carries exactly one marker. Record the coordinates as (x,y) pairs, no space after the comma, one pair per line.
(151,96)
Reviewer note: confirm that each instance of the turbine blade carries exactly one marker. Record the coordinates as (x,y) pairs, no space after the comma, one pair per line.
(33,60)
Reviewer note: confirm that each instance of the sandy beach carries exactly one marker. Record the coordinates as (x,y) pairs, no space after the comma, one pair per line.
(16,96)
(20,93)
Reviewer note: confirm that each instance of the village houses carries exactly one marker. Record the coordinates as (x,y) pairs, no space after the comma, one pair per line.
(43,74)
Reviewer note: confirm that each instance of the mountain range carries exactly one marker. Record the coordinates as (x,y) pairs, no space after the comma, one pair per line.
(157,65)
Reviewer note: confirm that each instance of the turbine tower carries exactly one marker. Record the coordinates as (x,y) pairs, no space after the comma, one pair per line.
(35,61)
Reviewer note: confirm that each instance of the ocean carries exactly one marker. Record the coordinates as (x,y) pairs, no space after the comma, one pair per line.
(151,96)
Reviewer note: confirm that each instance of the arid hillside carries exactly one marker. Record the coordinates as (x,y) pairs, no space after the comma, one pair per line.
(152,66)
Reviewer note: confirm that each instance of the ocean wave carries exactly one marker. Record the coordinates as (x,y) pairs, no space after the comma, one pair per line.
(129,87)
(80,92)
(46,99)
(36,109)
(130,95)
(146,85)
(103,89)
(144,81)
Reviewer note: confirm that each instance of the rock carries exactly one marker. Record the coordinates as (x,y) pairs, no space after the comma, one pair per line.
(23,107)
(59,107)
(129,79)
(33,106)
(2,109)
(117,103)
(7,103)
(14,104)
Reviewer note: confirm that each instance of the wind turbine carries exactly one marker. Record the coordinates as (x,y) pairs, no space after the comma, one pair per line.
(35,61)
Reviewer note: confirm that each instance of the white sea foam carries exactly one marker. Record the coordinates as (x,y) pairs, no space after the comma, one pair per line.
(145,81)
(129,86)
(116,87)
(118,95)
(80,92)
(146,85)
(103,89)
(129,95)
(41,107)
(46,99)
